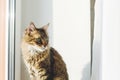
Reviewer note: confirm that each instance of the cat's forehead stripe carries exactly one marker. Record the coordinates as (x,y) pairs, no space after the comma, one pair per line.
(42,32)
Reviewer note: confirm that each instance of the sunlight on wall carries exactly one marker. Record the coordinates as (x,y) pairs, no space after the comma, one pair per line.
(71,36)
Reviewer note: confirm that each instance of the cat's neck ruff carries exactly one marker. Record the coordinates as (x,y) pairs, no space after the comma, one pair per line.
(33,49)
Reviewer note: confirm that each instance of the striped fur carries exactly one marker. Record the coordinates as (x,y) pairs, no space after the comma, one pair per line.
(43,62)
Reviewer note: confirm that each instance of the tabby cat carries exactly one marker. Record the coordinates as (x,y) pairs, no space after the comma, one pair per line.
(42,61)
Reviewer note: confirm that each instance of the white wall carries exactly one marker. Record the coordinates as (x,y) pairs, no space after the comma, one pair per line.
(111,40)
(107,20)
(71,33)
(18,41)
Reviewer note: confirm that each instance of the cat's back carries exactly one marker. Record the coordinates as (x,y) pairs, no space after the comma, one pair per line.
(55,53)
(57,57)
(60,70)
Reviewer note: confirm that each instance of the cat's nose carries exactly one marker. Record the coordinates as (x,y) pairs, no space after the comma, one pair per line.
(44,46)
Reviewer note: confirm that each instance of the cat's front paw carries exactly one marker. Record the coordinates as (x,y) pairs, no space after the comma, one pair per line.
(42,78)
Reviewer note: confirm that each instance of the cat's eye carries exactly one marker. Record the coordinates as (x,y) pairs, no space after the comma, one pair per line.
(38,40)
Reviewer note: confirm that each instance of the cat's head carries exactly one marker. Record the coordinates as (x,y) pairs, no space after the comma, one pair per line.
(37,38)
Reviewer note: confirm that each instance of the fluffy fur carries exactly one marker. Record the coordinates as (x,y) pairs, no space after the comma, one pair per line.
(43,62)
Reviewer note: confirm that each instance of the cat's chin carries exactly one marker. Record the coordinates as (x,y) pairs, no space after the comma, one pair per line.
(34,49)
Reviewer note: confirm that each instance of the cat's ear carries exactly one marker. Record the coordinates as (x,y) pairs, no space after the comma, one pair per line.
(45,27)
(31,27)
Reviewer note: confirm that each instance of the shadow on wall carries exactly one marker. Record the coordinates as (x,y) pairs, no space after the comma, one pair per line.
(26,75)
(86,72)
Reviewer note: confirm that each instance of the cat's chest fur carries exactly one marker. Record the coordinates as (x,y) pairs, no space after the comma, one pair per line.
(37,60)
(33,49)
(36,55)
